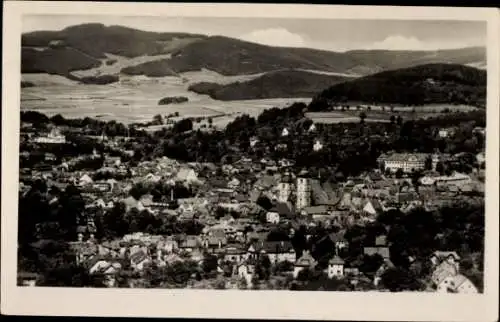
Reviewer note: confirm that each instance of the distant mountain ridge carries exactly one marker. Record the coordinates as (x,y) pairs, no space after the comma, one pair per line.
(96,39)
(84,47)
(419,85)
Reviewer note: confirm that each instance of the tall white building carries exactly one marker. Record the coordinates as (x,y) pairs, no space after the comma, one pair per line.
(284,191)
(303,193)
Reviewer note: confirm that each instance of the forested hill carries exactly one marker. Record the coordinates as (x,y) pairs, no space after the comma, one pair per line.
(96,39)
(84,47)
(419,85)
(288,83)
(229,56)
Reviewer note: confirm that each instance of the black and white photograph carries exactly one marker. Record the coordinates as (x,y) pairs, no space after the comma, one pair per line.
(298,155)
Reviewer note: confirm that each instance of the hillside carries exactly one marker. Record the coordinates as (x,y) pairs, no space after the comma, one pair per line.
(97,50)
(288,83)
(85,46)
(229,56)
(97,39)
(424,84)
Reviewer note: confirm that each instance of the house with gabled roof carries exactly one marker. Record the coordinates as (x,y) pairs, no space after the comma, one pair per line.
(27,278)
(234,252)
(246,270)
(339,240)
(381,248)
(278,212)
(85,180)
(186,175)
(131,203)
(373,207)
(387,264)
(335,267)
(306,261)
(450,257)
(315,211)
(189,243)
(277,251)
(210,243)
(139,258)
(444,277)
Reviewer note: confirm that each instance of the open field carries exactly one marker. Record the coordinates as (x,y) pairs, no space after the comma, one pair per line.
(342,117)
(376,114)
(429,108)
(135,99)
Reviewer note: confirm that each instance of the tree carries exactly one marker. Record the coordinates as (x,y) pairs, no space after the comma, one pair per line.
(183,125)
(371,263)
(114,223)
(362,117)
(428,163)
(209,263)
(284,266)
(415,179)
(399,173)
(399,120)
(440,168)
(392,119)
(263,267)
(398,279)
(180,272)
(70,212)
(158,119)
(264,202)
(304,275)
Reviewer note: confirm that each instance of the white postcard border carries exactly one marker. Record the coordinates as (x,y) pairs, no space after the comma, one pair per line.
(240,304)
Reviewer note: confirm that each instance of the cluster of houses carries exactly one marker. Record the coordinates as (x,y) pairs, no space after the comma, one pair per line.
(239,188)
(139,250)
(446,275)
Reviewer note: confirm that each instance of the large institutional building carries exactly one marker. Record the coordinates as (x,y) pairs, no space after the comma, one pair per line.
(406,162)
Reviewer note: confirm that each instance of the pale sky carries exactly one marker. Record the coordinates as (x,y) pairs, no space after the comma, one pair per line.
(335,35)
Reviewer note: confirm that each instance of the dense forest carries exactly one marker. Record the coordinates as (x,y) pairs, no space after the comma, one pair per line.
(95,40)
(424,84)
(287,83)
